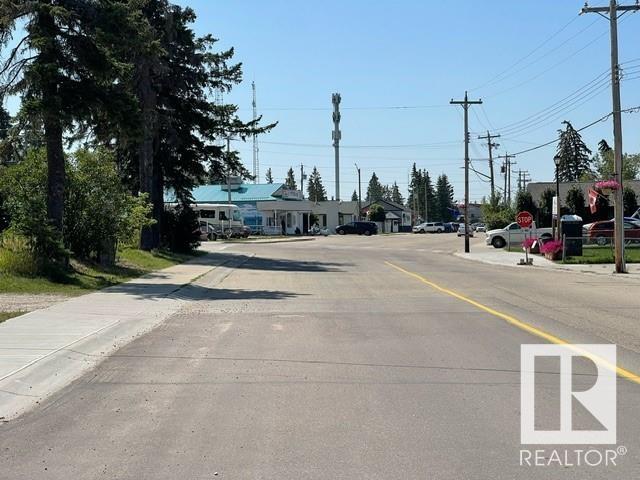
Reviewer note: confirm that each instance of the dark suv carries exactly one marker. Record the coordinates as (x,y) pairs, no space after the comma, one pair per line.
(361,228)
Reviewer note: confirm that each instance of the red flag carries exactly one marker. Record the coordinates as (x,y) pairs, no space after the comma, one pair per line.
(593,200)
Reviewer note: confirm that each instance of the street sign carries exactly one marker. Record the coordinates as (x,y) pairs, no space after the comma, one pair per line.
(524,219)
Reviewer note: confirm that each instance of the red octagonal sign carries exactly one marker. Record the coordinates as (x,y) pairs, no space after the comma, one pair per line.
(524,219)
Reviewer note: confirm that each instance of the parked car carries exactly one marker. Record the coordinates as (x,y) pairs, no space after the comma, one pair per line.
(448,227)
(429,227)
(512,233)
(461,230)
(602,233)
(481,227)
(361,228)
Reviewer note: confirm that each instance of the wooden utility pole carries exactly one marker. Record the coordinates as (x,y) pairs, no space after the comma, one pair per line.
(506,168)
(336,136)
(465,105)
(359,193)
(488,137)
(614,11)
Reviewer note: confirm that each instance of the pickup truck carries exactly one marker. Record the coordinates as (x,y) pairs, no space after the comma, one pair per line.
(513,234)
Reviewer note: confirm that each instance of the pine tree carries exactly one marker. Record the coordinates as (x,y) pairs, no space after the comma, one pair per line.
(290,181)
(386,193)
(315,189)
(354,196)
(414,191)
(63,66)
(396,196)
(375,189)
(546,207)
(575,160)
(269,176)
(443,199)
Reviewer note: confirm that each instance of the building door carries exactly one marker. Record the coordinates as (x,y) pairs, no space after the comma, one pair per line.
(305,223)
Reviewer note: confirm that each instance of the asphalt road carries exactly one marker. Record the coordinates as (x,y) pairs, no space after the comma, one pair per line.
(333,359)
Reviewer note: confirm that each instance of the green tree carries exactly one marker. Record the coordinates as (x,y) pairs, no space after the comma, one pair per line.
(443,199)
(269,176)
(495,214)
(575,160)
(575,201)
(525,202)
(63,67)
(546,208)
(375,190)
(396,196)
(290,181)
(354,196)
(604,164)
(630,200)
(376,213)
(315,189)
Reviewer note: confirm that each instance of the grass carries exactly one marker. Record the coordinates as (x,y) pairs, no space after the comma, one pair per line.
(594,254)
(86,276)
(7,315)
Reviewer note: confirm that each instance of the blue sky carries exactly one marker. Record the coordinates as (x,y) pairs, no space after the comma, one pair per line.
(521,58)
(420,53)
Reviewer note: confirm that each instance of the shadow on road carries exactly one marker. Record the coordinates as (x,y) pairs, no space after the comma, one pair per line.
(249,262)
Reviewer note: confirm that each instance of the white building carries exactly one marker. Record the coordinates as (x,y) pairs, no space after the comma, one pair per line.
(296,214)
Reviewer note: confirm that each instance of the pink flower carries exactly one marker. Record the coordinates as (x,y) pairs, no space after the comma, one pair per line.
(608,184)
(552,246)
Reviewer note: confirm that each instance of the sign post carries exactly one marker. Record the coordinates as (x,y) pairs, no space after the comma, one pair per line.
(525,221)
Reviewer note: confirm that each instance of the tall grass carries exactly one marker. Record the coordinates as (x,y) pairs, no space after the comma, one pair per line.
(17,256)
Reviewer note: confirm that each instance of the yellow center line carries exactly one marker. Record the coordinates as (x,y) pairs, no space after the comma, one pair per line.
(622,372)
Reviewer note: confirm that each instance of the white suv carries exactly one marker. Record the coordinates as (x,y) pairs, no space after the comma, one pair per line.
(429,227)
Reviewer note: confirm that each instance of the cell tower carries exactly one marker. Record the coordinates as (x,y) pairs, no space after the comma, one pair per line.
(256,163)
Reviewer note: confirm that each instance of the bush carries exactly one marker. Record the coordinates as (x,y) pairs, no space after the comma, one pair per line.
(24,187)
(376,213)
(17,256)
(496,215)
(180,229)
(100,213)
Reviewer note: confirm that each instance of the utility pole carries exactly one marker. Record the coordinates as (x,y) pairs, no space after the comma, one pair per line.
(506,169)
(488,137)
(336,136)
(612,10)
(229,182)
(523,179)
(359,193)
(465,105)
(256,165)
(302,179)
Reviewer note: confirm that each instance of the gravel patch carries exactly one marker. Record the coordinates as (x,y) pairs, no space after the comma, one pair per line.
(24,302)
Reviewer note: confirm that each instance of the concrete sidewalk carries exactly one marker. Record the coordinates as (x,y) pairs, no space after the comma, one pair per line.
(492,256)
(44,350)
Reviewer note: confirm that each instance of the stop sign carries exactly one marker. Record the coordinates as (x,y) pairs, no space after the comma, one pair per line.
(524,219)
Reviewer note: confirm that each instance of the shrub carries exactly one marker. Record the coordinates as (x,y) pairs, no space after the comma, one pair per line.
(17,256)
(552,246)
(497,216)
(180,229)
(376,213)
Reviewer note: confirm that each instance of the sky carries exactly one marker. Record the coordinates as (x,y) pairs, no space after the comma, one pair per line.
(398,64)
(520,58)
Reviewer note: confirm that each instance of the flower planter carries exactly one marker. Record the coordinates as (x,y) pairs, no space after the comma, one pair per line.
(553,255)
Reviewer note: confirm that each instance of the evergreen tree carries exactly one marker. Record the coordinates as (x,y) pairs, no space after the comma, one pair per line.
(443,199)
(62,64)
(525,202)
(575,161)
(415,183)
(575,201)
(375,190)
(396,196)
(386,193)
(354,196)
(269,176)
(315,189)
(546,208)
(290,181)
(630,200)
